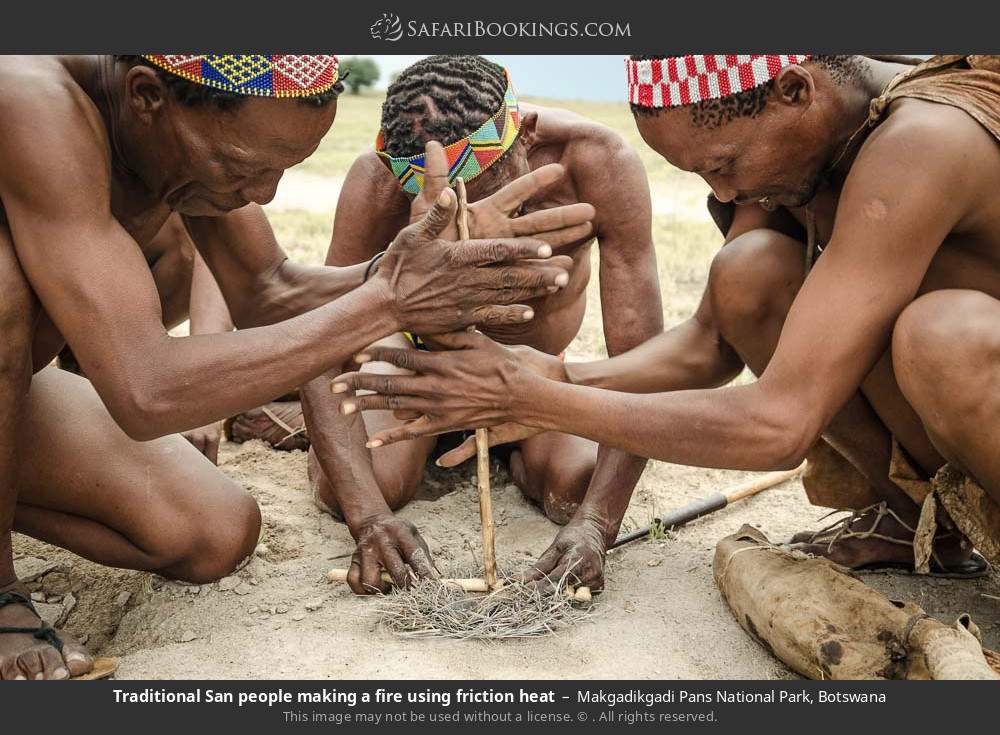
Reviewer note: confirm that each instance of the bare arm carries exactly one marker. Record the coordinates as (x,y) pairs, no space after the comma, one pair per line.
(886,232)
(95,285)
(692,354)
(208,311)
(371,209)
(610,174)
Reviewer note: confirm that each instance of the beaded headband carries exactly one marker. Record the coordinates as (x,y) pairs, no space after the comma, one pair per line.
(467,157)
(686,80)
(269,75)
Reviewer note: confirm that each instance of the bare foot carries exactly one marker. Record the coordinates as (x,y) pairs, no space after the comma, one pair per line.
(279,424)
(876,536)
(33,656)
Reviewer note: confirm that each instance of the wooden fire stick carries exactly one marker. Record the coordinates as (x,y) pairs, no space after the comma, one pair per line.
(482,438)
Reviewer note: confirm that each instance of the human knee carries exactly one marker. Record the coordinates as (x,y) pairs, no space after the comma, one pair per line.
(753,278)
(944,345)
(565,487)
(399,488)
(216,543)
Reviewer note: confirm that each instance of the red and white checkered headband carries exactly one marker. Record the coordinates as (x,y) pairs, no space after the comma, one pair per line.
(685,80)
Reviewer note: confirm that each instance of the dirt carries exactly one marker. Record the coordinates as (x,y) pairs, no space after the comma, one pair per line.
(281,618)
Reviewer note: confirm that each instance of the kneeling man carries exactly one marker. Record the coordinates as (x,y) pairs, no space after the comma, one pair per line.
(860,282)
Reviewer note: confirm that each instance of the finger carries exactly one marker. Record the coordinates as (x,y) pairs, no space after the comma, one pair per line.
(502,250)
(354,576)
(416,361)
(439,216)
(461,340)
(554,218)
(545,564)
(386,385)
(418,555)
(391,402)
(371,575)
(463,452)
(536,276)
(520,190)
(424,426)
(435,170)
(503,434)
(394,564)
(493,316)
(559,239)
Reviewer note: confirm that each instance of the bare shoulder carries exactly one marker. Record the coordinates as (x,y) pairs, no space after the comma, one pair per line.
(50,125)
(588,145)
(369,174)
(932,138)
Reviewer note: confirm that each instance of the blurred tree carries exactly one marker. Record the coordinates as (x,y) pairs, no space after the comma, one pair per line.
(364,72)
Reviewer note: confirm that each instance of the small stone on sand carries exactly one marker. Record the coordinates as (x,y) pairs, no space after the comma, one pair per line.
(187,636)
(314,604)
(229,583)
(122,599)
(242,589)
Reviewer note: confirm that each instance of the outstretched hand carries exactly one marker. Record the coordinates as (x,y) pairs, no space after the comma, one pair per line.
(470,386)
(496,216)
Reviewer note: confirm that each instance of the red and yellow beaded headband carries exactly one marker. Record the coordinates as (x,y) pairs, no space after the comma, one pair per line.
(256,75)
(467,157)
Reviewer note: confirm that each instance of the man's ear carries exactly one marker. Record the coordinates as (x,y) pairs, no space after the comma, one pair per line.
(145,91)
(528,125)
(794,85)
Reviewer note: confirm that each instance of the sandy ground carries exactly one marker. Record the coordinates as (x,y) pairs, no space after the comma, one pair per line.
(661,616)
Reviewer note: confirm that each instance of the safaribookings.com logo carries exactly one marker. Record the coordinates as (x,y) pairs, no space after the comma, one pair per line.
(390,28)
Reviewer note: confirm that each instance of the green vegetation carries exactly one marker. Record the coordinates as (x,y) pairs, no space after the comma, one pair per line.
(359,73)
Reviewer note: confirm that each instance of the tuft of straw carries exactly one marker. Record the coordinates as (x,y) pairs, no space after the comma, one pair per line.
(430,609)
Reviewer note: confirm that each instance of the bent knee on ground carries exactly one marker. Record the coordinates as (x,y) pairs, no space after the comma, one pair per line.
(558,486)
(753,278)
(211,545)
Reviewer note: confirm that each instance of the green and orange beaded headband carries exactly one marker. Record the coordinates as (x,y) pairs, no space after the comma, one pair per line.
(467,157)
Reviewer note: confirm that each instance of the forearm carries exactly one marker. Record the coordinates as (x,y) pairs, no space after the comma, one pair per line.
(684,357)
(739,427)
(631,318)
(611,485)
(293,289)
(339,444)
(207,311)
(173,384)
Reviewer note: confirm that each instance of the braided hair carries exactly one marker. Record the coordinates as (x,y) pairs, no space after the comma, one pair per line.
(442,98)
